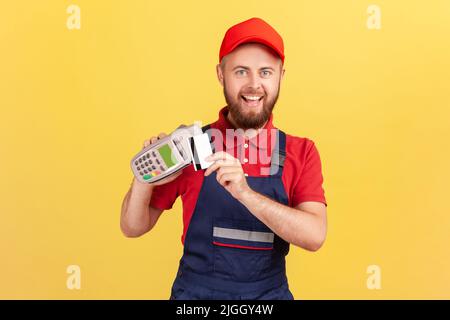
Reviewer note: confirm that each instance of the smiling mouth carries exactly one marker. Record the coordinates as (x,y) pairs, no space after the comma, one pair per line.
(250,98)
(252,101)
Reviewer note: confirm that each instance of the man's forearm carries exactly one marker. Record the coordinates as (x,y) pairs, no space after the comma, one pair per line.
(300,228)
(135,217)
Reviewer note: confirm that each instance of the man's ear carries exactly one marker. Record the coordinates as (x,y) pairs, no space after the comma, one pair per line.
(219,74)
(282,74)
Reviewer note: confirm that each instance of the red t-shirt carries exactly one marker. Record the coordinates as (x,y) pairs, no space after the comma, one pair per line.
(302,172)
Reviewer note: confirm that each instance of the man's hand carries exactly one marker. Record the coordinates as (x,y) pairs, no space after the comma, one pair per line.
(167,179)
(137,216)
(229,174)
(304,226)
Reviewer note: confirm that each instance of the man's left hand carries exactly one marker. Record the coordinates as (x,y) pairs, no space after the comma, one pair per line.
(229,173)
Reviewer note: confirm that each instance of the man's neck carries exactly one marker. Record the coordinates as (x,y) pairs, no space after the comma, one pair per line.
(247,133)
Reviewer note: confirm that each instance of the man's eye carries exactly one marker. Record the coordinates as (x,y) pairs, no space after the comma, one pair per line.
(265,73)
(241,72)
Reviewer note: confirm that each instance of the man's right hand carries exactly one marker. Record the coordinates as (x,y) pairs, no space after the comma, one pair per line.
(162,181)
(137,216)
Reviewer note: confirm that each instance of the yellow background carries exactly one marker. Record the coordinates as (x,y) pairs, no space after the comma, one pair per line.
(77,104)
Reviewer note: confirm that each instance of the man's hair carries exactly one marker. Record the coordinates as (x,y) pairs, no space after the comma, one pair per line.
(222,63)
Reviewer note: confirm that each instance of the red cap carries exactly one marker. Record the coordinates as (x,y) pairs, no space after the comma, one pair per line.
(252,30)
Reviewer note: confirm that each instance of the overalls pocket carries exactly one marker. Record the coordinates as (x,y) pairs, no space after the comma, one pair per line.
(243,249)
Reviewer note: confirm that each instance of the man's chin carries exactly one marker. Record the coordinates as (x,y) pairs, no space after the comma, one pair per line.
(250,113)
(250,119)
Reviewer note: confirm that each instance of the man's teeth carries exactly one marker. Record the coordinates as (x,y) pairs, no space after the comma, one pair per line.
(254,98)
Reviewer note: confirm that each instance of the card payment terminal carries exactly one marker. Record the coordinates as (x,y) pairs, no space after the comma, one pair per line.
(172,153)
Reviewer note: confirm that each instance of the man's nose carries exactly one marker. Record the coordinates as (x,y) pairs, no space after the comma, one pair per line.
(254,82)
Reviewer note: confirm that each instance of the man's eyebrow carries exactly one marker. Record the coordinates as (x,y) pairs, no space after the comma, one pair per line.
(241,67)
(247,68)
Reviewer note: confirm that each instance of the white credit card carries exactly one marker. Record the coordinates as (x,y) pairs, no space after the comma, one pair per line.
(200,148)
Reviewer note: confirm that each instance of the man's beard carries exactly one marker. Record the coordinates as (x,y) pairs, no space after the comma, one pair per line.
(249,120)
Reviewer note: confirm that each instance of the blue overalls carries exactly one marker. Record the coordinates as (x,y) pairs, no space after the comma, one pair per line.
(228,252)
